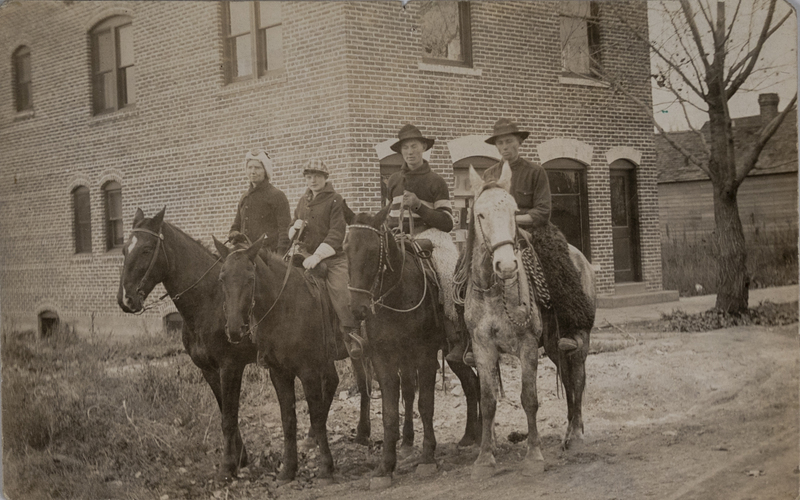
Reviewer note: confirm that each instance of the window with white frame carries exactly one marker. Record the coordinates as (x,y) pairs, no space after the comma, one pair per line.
(113,69)
(446,37)
(253,39)
(580,38)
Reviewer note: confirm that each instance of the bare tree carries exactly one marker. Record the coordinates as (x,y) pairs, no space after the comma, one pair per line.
(704,61)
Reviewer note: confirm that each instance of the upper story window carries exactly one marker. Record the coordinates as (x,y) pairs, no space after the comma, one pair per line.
(446,32)
(83,219)
(113,70)
(253,39)
(112,192)
(22,78)
(580,38)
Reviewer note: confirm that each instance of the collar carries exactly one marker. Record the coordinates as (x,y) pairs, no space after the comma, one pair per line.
(424,169)
(325,190)
(260,186)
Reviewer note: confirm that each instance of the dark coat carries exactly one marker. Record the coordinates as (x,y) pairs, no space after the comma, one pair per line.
(264,209)
(325,220)
(530,188)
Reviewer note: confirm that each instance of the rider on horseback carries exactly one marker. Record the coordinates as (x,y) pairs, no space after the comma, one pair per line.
(320,212)
(531,190)
(425,194)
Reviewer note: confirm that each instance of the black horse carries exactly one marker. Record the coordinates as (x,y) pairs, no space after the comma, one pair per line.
(271,301)
(405,333)
(158,252)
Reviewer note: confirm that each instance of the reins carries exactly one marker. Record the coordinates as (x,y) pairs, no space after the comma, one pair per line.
(383,263)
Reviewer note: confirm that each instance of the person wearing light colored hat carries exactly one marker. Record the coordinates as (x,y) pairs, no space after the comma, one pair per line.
(531,189)
(426,194)
(320,214)
(263,208)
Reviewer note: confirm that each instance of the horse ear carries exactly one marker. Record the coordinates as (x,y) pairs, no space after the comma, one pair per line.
(475,181)
(380,217)
(252,252)
(159,217)
(505,178)
(139,217)
(221,248)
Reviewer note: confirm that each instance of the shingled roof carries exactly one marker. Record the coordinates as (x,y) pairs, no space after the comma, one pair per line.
(778,156)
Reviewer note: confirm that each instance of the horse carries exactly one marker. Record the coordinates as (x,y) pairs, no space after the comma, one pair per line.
(404,332)
(158,252)
(516,328)
(291,343)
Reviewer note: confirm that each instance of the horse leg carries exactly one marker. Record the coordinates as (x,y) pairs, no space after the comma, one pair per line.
(533,463)
(319,389)
(390,397)
(472,392)
(283,382)
(574,377)
(486,357)
(427,386)
(226,385)
(408,391)
(364,428)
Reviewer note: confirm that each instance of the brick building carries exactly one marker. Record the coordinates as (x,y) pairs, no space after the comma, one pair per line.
(119,105)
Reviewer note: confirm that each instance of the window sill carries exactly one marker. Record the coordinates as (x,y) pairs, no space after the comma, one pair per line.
(121,114)
(24,115)
(82,258)
(113,254)
(270,78)
(582,80)
(446,68)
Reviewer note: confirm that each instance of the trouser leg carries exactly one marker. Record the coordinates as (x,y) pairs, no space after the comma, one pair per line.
(336,281)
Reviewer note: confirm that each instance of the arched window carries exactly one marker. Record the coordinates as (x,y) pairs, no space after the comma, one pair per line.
(82,211)
(22,78)
(389,165)
(113,70)
(570,199)
(173,323)
(48,324)
(112,193)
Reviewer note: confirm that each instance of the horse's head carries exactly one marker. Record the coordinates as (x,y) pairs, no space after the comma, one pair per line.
(145,261)
(238,280)
(365,245)
(493,216)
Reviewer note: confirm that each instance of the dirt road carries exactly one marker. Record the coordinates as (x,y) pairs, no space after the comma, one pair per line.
(671,416)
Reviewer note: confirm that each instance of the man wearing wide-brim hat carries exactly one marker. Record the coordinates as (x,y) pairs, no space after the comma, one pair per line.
(531,189)
(425,198)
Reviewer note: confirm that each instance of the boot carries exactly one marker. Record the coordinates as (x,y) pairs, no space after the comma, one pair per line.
(355,343)
(457,339)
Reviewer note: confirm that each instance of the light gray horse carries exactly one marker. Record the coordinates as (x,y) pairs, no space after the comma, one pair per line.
(502,317)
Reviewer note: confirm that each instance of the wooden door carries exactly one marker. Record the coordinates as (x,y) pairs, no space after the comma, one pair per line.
(624,225)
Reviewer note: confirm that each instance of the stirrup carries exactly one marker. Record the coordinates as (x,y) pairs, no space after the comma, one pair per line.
(570,345)
(356,345)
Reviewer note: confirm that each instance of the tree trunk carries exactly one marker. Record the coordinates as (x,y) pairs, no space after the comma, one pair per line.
(732,278)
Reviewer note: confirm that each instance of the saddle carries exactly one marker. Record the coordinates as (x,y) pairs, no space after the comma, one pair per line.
(418,247)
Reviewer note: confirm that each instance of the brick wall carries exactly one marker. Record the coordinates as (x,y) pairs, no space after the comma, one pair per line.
(352,78)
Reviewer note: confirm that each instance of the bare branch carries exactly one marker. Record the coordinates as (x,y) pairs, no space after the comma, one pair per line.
(699,79)
(764,135)
(733,21)
(689,15)
(753,55)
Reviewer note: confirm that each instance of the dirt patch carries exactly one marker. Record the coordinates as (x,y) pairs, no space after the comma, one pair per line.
(667,415)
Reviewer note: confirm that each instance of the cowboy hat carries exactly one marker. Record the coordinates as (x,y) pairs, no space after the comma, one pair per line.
(504,126)
(410,132)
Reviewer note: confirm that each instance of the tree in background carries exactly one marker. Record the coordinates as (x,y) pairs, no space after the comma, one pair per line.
(703,59)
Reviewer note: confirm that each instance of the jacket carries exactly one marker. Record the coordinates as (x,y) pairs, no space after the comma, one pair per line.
(431,189)
(264,209)
(530,188)
(324,217)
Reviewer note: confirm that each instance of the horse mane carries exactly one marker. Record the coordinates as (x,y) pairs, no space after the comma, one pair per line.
(193,240)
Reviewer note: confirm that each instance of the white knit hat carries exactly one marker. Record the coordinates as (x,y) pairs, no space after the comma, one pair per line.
(263,157)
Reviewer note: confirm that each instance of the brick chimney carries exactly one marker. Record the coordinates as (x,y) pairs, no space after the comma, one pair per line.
(769,107)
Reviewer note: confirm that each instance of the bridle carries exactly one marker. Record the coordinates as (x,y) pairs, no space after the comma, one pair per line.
(383,264)
(159,240)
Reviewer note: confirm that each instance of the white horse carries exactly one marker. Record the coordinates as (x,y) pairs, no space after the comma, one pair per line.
(502,316)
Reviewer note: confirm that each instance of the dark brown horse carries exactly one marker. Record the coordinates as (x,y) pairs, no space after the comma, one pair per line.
(158,252)
(503,317)
(405,332)
(274,304)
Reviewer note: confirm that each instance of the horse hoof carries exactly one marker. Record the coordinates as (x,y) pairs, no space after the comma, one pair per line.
(426,470)
(574,443)
(380,483)
(404,452)
(480,472)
